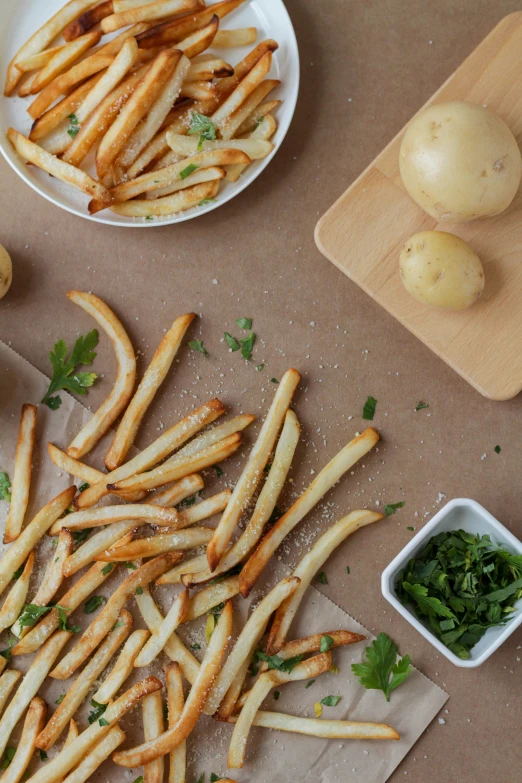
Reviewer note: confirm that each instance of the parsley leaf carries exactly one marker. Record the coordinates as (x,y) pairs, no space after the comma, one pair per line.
(93,603)
(219,471)
(375,672)
(139,779)
(8,757)
(247,346)
(31,613)
(74,126)
(196,646)
(421,405)
(43,755)
(103,722)
(369,408)
(139,590)
(18,573)
(108,568)
(259,367)
(83,487)
(64,375)
(309,683)
(277,694)
(60,699)
(391,508)
(5,486)
(347,569)
(7,652)
(97,712)
(322,578)
(201,778)
(188,171)
(274,380)
(202,125)
(325,643)
(244,323)
(497,449)
(197,345)
(130,566)
(428,604)
(232,342)
(276,662)
(205,201)
(331,701)
(62,620)
(214,777)
(79,536)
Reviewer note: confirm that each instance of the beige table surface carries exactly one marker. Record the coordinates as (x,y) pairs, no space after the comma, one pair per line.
(367,65)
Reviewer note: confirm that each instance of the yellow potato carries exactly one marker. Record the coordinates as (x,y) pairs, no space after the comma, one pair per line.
(441,270)
(6,271)
(460,161)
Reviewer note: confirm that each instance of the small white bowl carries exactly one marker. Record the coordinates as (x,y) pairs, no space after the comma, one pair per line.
(465,514)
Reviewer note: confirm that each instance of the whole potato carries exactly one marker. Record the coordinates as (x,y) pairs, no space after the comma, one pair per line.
(460,161)
(6,271)
(441,270)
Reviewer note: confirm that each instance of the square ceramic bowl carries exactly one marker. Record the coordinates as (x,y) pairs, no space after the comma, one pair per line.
(465,514)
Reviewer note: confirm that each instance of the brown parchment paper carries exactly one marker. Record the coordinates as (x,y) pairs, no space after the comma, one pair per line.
(271,754)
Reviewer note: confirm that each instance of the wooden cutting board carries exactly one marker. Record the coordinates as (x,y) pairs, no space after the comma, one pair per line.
(364,231)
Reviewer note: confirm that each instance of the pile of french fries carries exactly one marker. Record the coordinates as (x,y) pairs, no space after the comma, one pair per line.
(166,119)
(148,489)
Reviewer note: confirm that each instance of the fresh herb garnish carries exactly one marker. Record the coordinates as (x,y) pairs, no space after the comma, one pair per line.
(130,566)
(206,201)
(202,125)
(79,536)
(276,662)
(421,405)
(31,613)
(201,778)
(187,502)
(8,757)
(139,779)
(60,699)
(97,712)
(43,755)
(18,573)
(274,380)
(375,672)
(322,578)
(103,722)
(259,121)
(74,126)
(325,643)
(93,603)
(188,171)
(196,646)
(410,527)
(214,777)
(497,449)
(7,652)
(369,408)
(219,471)
(83,487)
(62,620)
(347,569)
(244,323)
(277,694)
(64,375)
(5,486)
(391,508)
(197,345)
(232,342)
(259,367)
(309,683)
(108,568)
(139,590)
(247,346)
(331,701)
(119,624)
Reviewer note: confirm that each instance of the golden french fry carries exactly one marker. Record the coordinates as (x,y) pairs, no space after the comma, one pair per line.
(149,751)
(152,546)
(34,720)
(127,5)
(77,692)
(178,120)
(192,567)
(214,435)
(72,733)
(237,98)
(88,19)
(170,440)
(51,119)
(42,38)
(198,91)
(175,704)
(205,70)
(153,727)
(324,481)
(73,466)
(90,763)
(149,385)
(200,40)
(329,729)
(230,128)
(247,641)
(121,392)
(254,119)
(243,36)
(40,60)
(253,470)
(63,59)
(146,13)
(30,685)
(22,474)
(117,70)
(8,681)
(178,29)
(308,567)
(103,623)
(72,599)
(203,601)
(310,644)
(122,668)
(139,512)
(174,648)
(57,168)
(73,754)
(114,45)
(27,540)
(203,175)
(264,130)
(157,641)
(15,601)
(256,149)
(302,671)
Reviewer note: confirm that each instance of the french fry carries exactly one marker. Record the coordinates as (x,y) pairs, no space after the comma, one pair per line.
(57,168)
(77,692)
(34,720)
(115,534)
(27,540)
(63,59)
(264,507)
(30,685)
(236,99)
(192,566)
(146,391)
(88,19)
(117,70)
(127,5)
(42,38)
(15,601)
(177,29)
(170,440)
(121,392)
(256,97)
(204,70)
(152,546)
(175,616)
(308,567)
(3,664)
(122,668)
(196,43)
(264,130)
(203,175)
(22,474)
(174,648)
(264,684)
(324,481)
(310,644)
(198,91)
(40,60)
(243,36)
(105,620)
(329,729)
(256,117)
(256,149)
(253,470)
(247,641)
(203,601)
(149,751)
(178,120)
(8,680)
(72,733)
(146,13)
(140,513)
(73,754)
(114,45)
(213,435)
(52,118)
(90,763)
(73,466)
(72,599)
(153,727)
(175,704)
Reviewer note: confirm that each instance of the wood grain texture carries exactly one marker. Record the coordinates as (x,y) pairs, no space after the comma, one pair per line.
(364,231)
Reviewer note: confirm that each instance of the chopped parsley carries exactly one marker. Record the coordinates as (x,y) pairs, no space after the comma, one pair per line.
(188,170)
(60,699)
(375,672)
(139,779)
(309,683)
(410,527)
(31,613)
(277,694)
(196,646)
(347,569)
(130,566)
(219,471)
(232,342)
(8,757)
(247,346)
(108,568)
(197,345)
(64,369)
(93,603)
(7,652)
(103,722)
(274,380)
(421,405)
(276,662)
(74,126)
(325,643)
(62,620)
(259,367)
(139,590)
(322,578)
(244,323)
(79,536)
(97,712)
(331,701)
(18,573)
(259,121)
(202,126)
(497,449)
(83,487)
(391,508)
(205,201)
(5,486)
(43,755)
(369,408)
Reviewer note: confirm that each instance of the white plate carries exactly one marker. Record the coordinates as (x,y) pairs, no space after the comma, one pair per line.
(20,18)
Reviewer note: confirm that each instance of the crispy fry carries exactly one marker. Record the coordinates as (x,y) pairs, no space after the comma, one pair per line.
(213,435)
(204,70)
(57,168)
(198,91)
(22,474)
(174,648)
(256,117)
(15,601)
(40,60)
(27,540)
(253,471)
(308,567)
(247,641)
(122,668)
(175,704)
(43,38)
(63,59)
(310,644)
(243,36)
(103,623)
(51,119)
(90,763)
(117,70)
(121,392)
(264,130)
(77,692)
(237,98)
(170,440)
(149,751)
(169,205)
(302,671)
(153,727)
(203,175)
(159,544)
(72,733)
(150,383)
(187,145)
(177,29)
(329,729)
(73,466)
(203,601)
(324,481)
(30,685)
(200,40)
(34,720)
(146,13)
(192,566)
(72,599)
(8,681)
(87,20)
(72,755)
(127,5)
(230,128)
(141,513)
(175,616)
